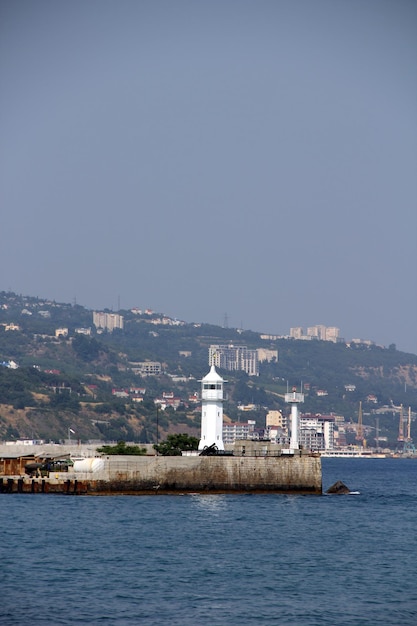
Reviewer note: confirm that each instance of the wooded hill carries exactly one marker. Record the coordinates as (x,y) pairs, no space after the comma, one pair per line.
(70,382)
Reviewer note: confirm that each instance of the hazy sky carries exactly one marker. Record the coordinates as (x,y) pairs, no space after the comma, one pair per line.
(202,158)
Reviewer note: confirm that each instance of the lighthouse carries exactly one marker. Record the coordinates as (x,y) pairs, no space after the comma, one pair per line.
(294,399)
(211,410)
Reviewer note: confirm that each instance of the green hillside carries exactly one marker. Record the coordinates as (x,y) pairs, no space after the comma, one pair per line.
(84,381)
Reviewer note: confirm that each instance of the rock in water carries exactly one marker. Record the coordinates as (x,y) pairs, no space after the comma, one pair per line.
(338,488)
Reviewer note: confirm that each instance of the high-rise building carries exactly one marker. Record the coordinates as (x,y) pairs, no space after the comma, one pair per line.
(317,432)
(267,355)
(276,418)
(296,332)
(107,321)
(317,332)
(234,358)
(234,431)
(320,332)
(332,333)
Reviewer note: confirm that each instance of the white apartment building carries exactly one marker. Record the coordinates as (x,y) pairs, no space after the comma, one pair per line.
(332,334)
(267,355)
(11,326)
(238,430)
(277,435)
(61,332)
(276,418)
(107,321)
(146,368)
(317,432)
(234,358)
(83,331)
(319,332)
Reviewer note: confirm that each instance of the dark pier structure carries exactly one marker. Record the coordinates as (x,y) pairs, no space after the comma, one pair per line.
(253,467)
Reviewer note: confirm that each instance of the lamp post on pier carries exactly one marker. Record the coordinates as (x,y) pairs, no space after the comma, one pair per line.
(69,434)
(157,427)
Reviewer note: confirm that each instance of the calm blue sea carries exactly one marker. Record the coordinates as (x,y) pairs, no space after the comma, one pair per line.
(217,559)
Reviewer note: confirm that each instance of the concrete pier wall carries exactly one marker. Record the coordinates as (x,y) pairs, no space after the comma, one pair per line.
(254,467)
(285,474)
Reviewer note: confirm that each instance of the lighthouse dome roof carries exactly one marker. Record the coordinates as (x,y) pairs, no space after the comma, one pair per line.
(212,376)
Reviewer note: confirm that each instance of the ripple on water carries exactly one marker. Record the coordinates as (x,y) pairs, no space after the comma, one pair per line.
(217,559)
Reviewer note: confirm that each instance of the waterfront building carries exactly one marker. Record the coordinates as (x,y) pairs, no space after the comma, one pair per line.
(276,418)
(234,431)
(317,432)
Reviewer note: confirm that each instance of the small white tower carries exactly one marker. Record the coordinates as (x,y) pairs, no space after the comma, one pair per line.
(294,398)
(212,410)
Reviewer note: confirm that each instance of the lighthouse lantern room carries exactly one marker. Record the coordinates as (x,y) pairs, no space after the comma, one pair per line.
(212,410)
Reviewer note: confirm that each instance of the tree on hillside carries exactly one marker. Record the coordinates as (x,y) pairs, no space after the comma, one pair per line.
(85,348)
(65,401)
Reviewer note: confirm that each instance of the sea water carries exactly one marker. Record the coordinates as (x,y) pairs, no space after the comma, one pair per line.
(217,559)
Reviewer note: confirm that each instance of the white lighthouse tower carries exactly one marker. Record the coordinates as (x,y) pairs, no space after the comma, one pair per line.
(294,399)
(212,410)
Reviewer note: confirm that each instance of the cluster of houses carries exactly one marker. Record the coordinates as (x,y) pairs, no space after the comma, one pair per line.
(165,400)
(316,432)
(12,365)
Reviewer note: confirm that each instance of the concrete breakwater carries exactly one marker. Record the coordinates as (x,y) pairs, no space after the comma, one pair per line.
(298,473)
